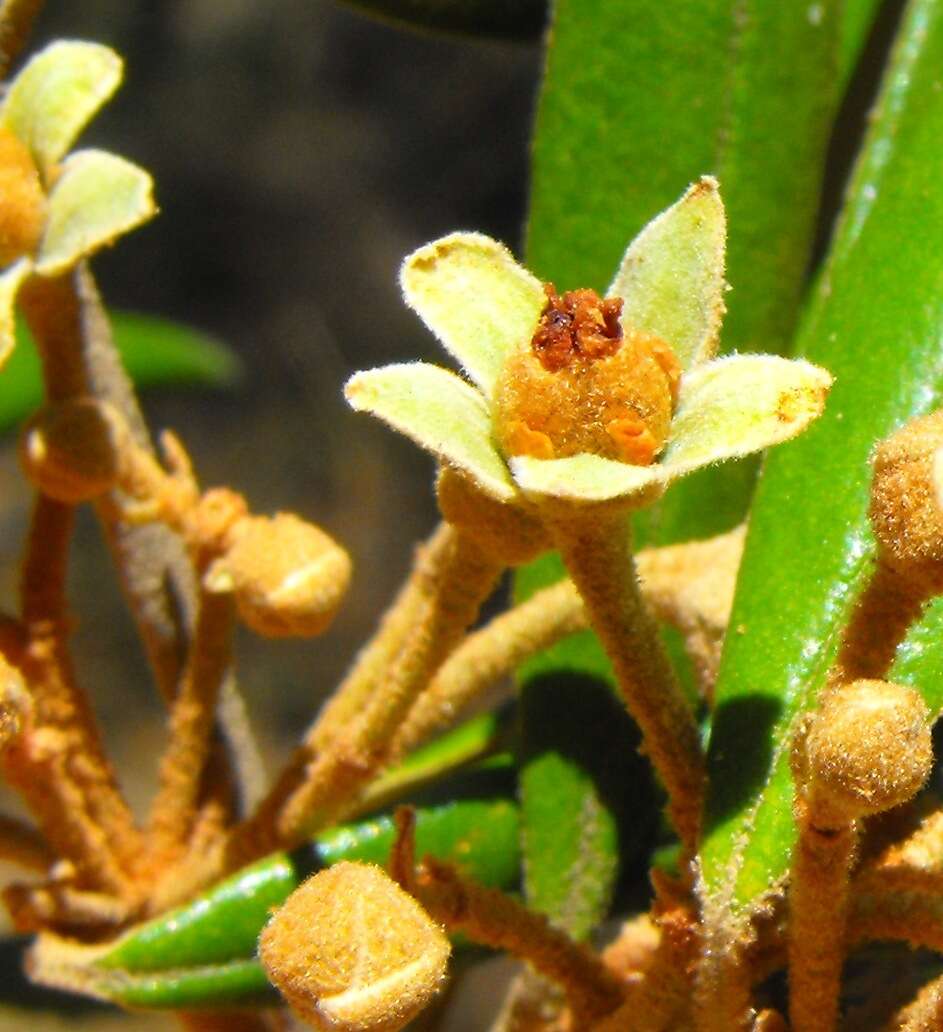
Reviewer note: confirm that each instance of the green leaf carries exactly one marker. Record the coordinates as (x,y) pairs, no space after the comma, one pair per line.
(876,322)
(440,412)
(52,99)
(857,20)
(498,19)
(96,198)
(223,924)
(156,352)
(641,99)
(586,797)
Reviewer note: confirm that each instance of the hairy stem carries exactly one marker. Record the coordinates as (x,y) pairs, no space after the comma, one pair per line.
(598,554)
(59,764)
(453,577)
(818,906)
(191,725)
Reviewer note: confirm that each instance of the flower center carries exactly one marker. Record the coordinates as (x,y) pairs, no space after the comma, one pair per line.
(578,325)
(585,384)
(22,201)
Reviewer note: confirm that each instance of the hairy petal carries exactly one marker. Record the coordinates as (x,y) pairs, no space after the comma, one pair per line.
(734,406)
(53,98)
(441,413)
(476,299)
(672,275)
(97,197)
(587,478)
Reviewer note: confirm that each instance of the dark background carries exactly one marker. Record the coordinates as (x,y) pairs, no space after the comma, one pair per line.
(299,150)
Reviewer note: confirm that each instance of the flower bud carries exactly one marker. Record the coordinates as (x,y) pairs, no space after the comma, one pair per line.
(352,952)
(503,530)
(287,575)
(71,451)
(867,749)
(905,511)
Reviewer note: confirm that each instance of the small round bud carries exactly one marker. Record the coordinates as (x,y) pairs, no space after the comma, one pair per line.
(868,749)
(71,451)
(23,211)
(287,575)
(352,952)
(905,513)
(503,530)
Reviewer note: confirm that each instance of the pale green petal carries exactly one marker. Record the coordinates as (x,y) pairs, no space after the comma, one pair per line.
(672,275)
(742,404)
(586,478)
(441,413)
(10,281)
(97,197)
(476,299)
(53,98)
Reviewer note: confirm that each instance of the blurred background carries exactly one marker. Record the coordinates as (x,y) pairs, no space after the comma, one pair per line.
(299,151)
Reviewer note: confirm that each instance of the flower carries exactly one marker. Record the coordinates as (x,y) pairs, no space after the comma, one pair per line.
(582,418)
(58,208)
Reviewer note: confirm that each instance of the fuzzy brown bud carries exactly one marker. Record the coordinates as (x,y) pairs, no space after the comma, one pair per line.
(352,952)
(71,451)
(905,513)
(867,749)
(504,531)
(287,575)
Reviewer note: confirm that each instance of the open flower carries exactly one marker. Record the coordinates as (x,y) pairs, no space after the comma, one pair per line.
(579,398)
(58,208)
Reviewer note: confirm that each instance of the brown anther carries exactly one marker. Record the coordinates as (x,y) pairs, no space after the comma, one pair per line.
(23,211)
(578,325)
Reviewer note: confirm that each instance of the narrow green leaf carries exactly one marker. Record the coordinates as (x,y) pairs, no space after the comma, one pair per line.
(222,925)
(876,322)
(581,781)
(857,20)
(156,352)
(497,19)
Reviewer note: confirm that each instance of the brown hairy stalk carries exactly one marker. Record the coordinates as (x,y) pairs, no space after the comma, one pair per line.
(491,918)
(173,813)
(453,577)
(598,554)
(58,763)
(23,845)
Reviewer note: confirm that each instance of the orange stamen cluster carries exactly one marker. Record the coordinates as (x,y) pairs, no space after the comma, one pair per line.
(587,385)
